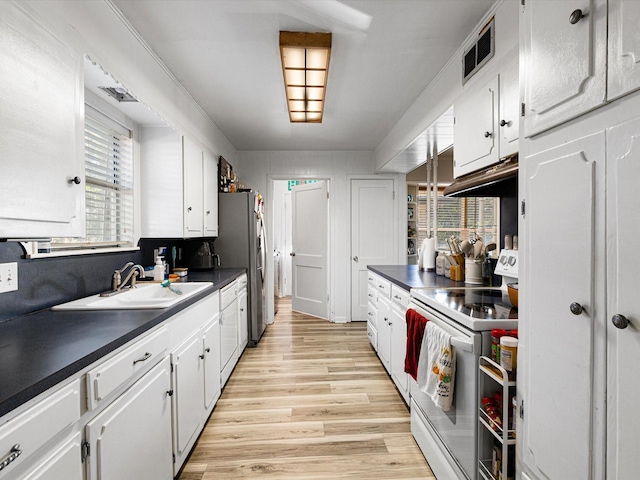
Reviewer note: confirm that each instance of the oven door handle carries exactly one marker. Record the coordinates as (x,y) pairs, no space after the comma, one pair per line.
(462,345)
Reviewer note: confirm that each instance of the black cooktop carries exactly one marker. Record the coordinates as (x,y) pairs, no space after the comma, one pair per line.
(479,303)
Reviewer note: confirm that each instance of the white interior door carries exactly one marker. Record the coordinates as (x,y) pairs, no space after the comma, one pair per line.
(309,254)
(372,236)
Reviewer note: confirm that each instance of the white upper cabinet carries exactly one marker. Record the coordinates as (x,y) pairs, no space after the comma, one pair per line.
(476,141)
(41,130)
(565,54)
(509,119)
(624,47)
(179,196)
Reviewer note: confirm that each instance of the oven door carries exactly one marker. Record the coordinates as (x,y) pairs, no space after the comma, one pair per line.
(456,430)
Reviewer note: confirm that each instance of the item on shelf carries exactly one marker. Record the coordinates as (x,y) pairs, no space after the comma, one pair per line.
(509,355)
(496,334)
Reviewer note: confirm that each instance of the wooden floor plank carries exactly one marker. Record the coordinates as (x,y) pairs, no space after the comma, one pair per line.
(311,401)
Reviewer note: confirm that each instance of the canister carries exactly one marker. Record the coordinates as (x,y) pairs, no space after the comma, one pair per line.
(509,355)
(473,271)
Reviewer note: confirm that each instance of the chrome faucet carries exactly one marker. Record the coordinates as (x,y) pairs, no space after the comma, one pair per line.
(117,284)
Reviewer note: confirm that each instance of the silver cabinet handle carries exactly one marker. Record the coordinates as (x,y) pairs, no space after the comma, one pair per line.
(14,453)
(355,259)
(620,321)
(576,16)
(146,356)
(576,308)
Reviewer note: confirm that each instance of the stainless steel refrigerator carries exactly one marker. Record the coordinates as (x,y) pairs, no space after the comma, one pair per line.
(240,244)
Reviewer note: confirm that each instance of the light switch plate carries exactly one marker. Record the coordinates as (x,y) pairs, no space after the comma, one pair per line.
(8,277)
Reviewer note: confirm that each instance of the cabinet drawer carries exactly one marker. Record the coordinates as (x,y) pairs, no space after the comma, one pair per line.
(372,313)
(373,335)
(242,282)
(228,294)
(371,278)
(372,293)
(400,297)
(383,286)
(36,426)
(108,376)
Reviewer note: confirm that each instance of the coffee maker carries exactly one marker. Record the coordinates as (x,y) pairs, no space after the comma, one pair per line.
(201,255)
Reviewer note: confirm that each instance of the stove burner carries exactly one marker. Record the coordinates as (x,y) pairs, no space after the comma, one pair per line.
(481,303)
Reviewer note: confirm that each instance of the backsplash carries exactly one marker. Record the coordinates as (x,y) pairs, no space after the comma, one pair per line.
(44,282)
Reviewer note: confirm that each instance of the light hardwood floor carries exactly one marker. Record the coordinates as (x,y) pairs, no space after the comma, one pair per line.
(311,401)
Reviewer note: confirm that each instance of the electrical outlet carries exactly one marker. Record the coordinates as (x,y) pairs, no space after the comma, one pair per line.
(8,277)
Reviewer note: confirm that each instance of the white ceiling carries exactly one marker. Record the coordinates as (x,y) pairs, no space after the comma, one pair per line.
(226,54)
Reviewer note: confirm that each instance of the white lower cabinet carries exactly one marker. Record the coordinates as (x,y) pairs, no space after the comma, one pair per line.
(228,330)
(243,318)
(384,332)
(400,302)
(63,462)
(211,341)
(131,438)
(188,395)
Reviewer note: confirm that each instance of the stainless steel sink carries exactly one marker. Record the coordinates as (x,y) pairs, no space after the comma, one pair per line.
(143,297)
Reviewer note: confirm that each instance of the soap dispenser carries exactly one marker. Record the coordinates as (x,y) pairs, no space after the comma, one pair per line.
(158,270)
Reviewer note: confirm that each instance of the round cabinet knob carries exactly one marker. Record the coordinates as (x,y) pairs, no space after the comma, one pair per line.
(503,123)
(355,259)
(189,209)
(208,212)
(487,134)
(575,16)
(75,180)
(293,254)
(620,321)
(576,308)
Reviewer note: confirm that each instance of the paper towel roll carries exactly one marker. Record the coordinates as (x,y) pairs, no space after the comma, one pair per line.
(427,256)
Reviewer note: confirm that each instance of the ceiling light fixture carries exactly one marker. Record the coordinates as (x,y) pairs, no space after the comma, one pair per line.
(305,66)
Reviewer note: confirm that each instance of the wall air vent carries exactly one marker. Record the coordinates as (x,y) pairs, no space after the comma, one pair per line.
(479,52)
(119,93)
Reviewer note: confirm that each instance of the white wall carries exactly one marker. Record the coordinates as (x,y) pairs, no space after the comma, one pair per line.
(259,169)
(98,29)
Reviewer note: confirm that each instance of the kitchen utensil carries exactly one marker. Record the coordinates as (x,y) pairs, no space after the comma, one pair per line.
(167,284)
(466,247)
(477,249)
(490,247)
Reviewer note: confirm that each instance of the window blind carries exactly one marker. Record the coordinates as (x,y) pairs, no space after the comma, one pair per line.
(108,185)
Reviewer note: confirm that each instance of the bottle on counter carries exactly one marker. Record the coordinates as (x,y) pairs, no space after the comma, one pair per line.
(158,270)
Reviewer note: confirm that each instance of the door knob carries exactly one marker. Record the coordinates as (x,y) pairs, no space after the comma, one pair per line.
(576,308)
(293,254)
(355,259)
(576,16)
(620,321)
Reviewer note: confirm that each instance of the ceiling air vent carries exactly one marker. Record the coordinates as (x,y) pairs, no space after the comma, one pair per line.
(479,52)
(119,93)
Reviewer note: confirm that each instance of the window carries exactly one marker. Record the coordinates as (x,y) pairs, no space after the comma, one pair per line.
(463,217)
(108,164)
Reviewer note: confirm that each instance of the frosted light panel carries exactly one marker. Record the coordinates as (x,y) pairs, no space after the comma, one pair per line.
(317,58)
(293,57)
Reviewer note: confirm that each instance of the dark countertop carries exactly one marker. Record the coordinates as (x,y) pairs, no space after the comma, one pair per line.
(408,277)
(44,348)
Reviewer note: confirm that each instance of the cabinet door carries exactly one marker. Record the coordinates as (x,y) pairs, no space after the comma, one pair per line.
(210,193)
(565,63)
(243,319)
(476,140)
(188,392)
(372,321)
(228,338)
(193,184)
(624,48)
(211,340)
(41,130)
(132,437)
(555,364)
(623,256)
(161,183)
(63,463)
(509,120)
(384,331)
(399,350)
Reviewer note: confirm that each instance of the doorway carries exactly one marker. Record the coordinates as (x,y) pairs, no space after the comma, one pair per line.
(301,253)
